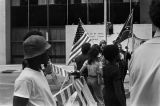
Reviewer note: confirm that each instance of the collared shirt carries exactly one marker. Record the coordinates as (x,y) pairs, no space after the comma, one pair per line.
(144,71)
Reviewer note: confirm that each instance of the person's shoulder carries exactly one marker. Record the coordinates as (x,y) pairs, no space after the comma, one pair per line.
(141,48)
(115,72)
(110,67)
(85,56)
(25,74)
(78,57)
(111,70)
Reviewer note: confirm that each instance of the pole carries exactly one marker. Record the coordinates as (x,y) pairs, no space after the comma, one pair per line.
(105,19)
(47,33)
(67,12)
(133,41)
(109,10)
(130,5)
(87,12)
(28,15)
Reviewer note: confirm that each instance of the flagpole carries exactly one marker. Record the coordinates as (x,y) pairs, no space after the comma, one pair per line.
(28,15)
(105,19)
(109,9)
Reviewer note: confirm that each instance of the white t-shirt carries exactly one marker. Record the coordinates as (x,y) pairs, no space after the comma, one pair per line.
(145,74)
(33,85)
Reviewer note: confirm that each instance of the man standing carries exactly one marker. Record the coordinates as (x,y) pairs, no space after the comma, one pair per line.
(79,60)
(31,87)
(145,66)
(102,44)
(114,94)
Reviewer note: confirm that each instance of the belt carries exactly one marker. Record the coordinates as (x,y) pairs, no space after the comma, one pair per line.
(92,76)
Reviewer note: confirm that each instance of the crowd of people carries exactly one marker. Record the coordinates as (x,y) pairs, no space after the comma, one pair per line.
(113,62)
(106,68)
(103,66)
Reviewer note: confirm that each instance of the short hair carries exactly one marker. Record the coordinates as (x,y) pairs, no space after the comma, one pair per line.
(102,42)
(154,12)
(85,48)
(96,46)
(93,55)
(30,33)
(110,52)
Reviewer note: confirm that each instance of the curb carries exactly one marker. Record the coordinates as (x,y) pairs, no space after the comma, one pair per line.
(9,71)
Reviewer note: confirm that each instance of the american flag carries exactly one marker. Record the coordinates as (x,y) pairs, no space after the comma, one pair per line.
(126,31)
(81,37)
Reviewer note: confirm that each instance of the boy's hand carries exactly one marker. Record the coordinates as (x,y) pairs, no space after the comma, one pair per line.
(48,69)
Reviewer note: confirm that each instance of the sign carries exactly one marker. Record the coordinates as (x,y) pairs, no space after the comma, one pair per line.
(97,33)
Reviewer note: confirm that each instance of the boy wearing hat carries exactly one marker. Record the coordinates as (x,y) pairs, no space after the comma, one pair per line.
(31,87)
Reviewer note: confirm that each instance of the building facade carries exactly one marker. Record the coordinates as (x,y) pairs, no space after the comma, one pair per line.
(52,15)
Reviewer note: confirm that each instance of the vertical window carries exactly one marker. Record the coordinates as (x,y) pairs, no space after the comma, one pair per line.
(60,1)
(31,2)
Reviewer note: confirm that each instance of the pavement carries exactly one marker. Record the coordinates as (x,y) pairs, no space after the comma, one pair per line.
(8,74)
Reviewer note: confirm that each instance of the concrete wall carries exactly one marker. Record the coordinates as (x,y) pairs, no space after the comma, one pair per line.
(5,31)
(5,27)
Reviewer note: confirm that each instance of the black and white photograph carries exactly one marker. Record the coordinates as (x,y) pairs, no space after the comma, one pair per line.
(79,52)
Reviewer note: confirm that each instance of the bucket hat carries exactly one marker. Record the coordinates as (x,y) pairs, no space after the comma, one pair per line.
(35,45)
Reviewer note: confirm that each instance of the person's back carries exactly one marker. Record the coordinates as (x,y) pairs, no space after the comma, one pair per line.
(145,75)
(111,74)
(144,67)
(113,92)
(80,60)
(123,67)
(93,68)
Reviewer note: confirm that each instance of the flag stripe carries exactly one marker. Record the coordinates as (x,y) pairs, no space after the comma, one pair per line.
(84,36)
(72,57)
(59,99)
(86,39)
(63,97)
(66,94)
(78,85)
(69,92)
(79,41)
(79,47)
(84,98)
(76,54)
(81,37)
(126,30)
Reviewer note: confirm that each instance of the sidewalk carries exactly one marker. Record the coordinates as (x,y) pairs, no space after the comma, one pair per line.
(8,74)
(10,68)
